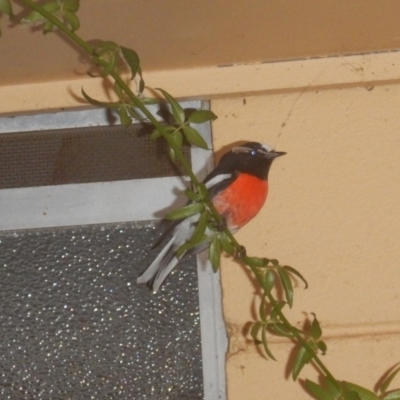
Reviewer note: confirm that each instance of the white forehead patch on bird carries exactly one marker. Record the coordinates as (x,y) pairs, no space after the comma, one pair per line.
(241,149)
(253,146)
(267,147)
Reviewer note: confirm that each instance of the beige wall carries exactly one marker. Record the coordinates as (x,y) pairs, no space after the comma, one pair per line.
(189,34)
(333,213)
(333,210)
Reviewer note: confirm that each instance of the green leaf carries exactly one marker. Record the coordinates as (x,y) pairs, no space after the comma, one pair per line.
(303,357)
(97,103)
(261,310)
(200,116)
(193,196)
(332,387)
(141,83)
(6,8)
(124,117)
(254,332)
(269,281)
(48,27)
(388,380)
(118,91)
(35,17)
(132,59)
(226,244)
(186,211)
(172,155)
(275,310)
(177,138)
(322,346)
(135,113)
(177,110)
(189,245)
(257,261)
(200,228)
(265,343)
(148,100)
(105,56)
(72,20)
(71,5)
(107,47)
(155,134)
(280,329)
(395,395)
(363,393)
(202,190)
(215,253)
(318,391)
(297,273)
(316,331)
(287,285)
(194,137)
(351,396)
(108,65)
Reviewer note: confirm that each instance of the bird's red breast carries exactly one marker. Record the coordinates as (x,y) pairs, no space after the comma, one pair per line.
(242,200)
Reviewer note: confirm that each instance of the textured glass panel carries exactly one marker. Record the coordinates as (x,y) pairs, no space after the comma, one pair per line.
(82,155)
(74,324)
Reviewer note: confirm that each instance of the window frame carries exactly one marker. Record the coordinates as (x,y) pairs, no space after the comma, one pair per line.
(115,202)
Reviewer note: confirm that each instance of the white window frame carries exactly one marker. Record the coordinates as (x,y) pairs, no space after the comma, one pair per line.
(121,201)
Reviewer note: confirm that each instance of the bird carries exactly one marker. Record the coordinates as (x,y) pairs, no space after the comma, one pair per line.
(237,187)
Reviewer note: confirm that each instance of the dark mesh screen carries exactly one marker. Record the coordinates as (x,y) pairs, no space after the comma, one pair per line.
(82,155)
(74,324)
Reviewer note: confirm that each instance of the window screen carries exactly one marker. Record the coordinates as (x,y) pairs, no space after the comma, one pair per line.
(82,155)
(77,230)
(74,324)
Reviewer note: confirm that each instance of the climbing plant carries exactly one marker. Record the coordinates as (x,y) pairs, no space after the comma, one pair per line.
(271,276)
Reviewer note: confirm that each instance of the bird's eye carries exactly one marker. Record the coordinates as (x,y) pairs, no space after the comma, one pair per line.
(253,152)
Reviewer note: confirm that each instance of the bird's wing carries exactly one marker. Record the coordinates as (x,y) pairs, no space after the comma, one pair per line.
(181,231)
(216,183)
(166,260)
(171,225)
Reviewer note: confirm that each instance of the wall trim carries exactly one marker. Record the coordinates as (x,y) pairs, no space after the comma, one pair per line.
(365,70)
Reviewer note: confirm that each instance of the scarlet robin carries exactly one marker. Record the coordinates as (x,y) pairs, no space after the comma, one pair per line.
(238,188)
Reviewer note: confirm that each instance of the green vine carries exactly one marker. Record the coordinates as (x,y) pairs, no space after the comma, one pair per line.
(107,57)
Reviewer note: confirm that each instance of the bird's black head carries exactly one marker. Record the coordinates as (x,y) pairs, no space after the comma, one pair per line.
(252,158)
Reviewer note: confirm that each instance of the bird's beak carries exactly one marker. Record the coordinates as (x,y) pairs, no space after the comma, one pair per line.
(274,154)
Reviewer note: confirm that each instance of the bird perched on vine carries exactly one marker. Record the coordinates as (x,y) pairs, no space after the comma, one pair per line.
(237,187)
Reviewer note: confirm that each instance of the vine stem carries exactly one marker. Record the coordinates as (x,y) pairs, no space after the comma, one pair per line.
(185,164)
(282,316)
(75,38)
(294,332)
(135,101)
(300,339)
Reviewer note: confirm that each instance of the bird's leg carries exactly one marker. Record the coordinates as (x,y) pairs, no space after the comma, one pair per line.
(240,253)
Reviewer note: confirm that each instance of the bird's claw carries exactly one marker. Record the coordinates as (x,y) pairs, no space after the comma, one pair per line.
(220,226)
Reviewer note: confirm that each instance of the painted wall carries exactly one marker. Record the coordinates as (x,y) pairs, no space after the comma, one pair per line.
(333,209)
(334,214)
(183,34)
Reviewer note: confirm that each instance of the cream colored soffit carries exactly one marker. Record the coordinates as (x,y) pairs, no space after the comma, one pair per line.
(236,80)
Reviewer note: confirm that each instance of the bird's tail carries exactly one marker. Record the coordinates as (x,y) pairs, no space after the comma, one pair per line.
(160,268)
